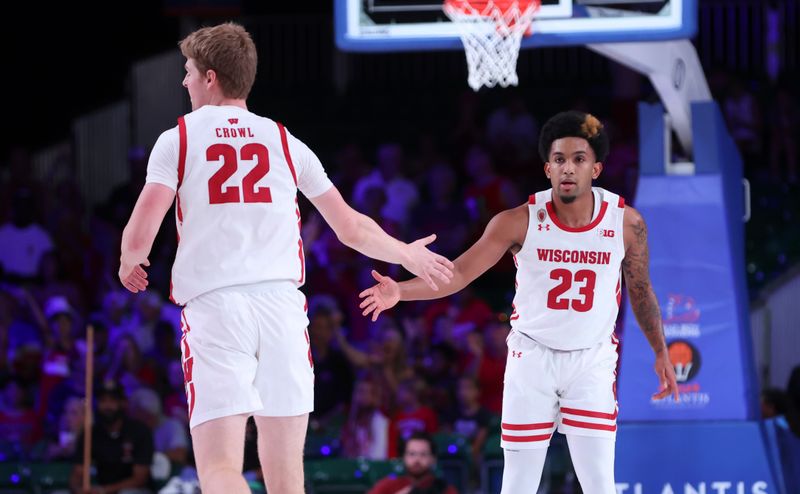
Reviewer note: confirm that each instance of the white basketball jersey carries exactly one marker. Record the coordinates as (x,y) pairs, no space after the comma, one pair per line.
(236,205)
(568,279)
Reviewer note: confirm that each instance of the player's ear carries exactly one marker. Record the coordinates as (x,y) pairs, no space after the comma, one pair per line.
(211,77)
(547,169)
(596,169)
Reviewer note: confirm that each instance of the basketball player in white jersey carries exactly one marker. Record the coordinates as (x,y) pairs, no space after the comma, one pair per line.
(569,244)
(234,177)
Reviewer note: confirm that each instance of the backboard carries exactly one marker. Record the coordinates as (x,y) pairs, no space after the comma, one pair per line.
(410,25)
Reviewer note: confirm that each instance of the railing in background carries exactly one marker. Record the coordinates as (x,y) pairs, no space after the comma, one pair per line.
(101,150)
(157,97)
(775,325)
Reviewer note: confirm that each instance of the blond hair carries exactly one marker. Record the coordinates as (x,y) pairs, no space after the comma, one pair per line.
(228,50)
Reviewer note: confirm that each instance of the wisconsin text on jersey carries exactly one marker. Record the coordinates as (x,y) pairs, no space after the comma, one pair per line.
(574,256)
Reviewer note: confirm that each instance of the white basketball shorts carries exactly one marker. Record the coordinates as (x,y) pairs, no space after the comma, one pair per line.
(245,350)
(574,391)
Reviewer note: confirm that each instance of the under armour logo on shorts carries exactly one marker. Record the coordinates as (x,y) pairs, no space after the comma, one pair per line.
(516,354)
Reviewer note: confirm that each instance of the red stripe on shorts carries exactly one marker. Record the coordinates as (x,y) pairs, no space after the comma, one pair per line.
(527,427)
(589,425)
(525,439)
(589,413)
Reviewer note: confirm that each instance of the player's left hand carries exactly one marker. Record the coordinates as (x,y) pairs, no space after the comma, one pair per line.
(133,276)
(666,377)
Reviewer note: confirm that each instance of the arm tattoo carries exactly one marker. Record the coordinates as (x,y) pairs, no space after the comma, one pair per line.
(643,300)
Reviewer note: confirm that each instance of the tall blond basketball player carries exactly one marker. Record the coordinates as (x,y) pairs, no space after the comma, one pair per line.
(234,177)
(569,244)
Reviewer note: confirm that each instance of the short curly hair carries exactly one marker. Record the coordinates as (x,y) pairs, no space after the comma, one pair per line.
(574,124)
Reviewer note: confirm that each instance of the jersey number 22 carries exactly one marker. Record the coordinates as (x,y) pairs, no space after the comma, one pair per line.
(230,162)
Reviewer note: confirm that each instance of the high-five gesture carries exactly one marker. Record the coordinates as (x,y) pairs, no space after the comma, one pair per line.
(426,264)
(380,297)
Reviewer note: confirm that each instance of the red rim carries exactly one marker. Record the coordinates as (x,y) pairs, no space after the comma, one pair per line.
(503,5)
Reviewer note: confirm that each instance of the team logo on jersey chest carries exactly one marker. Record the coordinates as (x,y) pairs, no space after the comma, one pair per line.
(233,121)
(541,215)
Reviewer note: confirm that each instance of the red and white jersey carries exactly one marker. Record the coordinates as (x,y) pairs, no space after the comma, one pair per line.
(568,279)
(236,175)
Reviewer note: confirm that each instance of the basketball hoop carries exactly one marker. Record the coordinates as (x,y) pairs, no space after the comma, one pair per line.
(491,31)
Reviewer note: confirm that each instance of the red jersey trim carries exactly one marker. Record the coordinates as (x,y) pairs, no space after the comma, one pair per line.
(532,199)
(285,144)
(551,212)
(181,164)
(621,203)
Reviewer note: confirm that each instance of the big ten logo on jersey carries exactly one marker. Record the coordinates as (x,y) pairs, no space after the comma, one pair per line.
(606,233)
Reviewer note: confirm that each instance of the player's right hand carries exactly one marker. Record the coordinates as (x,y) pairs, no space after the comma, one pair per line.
(133,277)
(428,265)
(380,297)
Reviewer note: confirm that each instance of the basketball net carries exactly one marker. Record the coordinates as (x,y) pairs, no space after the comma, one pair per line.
(492,31)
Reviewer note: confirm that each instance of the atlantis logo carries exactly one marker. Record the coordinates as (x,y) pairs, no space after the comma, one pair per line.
(714,487)
(681,317)
(685,359)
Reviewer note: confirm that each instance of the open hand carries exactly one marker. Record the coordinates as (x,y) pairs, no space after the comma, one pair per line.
(428,265)
(380,297)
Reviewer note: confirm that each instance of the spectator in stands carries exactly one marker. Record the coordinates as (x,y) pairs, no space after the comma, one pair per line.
(419,461)
(122,448)
(386,358)
(471,420)
(70,425)
(743,114)
(410,416)
(333,376)
(487,363)
(175,405)
(439,368)
(24,241)
(487,193)
(144,321)
(442,212)
(17,329)
(366,432)
(169,435)
(52,283)
(128,367)
(20,427)
(63,351)
(512,130)
(401,193)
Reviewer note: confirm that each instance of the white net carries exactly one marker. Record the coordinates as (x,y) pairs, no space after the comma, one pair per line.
(491,35)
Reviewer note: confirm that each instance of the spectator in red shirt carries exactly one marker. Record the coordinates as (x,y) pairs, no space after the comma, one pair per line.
(487,363)
(419,460)
(20,427)
(410,416)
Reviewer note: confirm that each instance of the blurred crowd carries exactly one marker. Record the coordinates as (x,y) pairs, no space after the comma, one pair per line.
(431,366)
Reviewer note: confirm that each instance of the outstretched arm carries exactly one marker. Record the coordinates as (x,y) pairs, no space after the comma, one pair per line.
(140,232)
(501,234)
(505,231)
(643,300)
(361,233)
